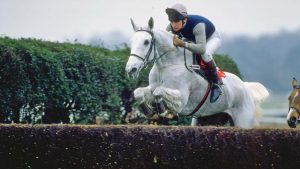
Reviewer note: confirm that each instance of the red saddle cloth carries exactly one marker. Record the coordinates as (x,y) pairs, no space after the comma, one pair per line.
(203,66)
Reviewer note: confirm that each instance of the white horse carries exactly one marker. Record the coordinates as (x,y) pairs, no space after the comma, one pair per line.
(180,88)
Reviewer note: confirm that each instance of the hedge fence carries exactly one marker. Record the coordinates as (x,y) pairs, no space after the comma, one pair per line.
(48,82)
(87,147)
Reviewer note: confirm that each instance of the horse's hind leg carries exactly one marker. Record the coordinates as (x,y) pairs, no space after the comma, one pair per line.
(243,118)
(194,122)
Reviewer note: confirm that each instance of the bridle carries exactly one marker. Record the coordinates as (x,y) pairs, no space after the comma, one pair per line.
(294,108)
(152,47)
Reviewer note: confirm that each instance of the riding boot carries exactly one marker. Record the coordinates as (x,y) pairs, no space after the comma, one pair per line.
(146,109)
(216,90)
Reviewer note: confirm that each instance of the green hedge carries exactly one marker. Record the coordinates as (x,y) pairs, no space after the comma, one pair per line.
(224,62)
(62,146)
(45,82)
(48,82)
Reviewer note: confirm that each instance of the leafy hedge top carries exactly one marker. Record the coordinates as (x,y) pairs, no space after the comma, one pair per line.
(38,76)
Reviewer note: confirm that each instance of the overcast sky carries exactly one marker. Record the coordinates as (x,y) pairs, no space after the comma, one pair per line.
(58,20)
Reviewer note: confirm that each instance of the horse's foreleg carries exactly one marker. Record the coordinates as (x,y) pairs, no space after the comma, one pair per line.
(143,94)
(171,98)
(144,97)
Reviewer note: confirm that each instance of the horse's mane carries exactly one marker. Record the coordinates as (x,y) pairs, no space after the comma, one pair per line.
(164,36)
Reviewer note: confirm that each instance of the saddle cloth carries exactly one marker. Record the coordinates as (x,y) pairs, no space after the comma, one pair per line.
(203,66)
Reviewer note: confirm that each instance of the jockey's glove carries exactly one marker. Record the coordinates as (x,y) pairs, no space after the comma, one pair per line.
(178,42)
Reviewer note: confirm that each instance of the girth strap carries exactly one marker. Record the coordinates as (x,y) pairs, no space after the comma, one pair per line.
(202,100)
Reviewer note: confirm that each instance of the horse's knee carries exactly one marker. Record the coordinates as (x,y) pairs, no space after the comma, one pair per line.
(140,94)
(158,92)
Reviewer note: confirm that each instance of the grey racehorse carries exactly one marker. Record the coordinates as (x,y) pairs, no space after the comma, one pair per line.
(180,89)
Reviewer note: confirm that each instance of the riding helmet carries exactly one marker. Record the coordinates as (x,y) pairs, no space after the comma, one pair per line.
(176,12)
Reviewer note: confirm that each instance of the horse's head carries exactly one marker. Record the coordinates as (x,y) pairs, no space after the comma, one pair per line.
(142,52)
(294,105)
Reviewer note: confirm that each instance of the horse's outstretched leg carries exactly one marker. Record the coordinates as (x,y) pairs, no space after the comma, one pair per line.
(144,97)
(161,106)
(143,94)
(170,97)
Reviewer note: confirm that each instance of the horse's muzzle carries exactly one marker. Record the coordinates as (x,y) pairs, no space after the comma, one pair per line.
(133,73)
(292,122)
(133,70)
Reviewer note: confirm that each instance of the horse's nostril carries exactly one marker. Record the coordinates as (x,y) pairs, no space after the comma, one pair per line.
(292,122)
(133,70)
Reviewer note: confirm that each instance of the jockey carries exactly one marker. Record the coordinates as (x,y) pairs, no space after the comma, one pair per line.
(203,40)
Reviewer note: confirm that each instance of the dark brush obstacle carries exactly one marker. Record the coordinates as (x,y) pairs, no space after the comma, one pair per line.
(65,146)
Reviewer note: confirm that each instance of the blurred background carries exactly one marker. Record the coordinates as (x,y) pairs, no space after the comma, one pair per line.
(262,37)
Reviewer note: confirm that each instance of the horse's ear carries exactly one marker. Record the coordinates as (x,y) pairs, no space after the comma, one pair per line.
(151,23)
(135,27)
(295,83)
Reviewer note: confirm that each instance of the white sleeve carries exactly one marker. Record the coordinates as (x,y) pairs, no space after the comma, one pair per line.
(200,37)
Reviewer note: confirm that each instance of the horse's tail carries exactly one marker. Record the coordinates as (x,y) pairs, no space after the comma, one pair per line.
(259,93)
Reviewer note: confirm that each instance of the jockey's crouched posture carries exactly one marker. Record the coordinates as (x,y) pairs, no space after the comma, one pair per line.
(203,37)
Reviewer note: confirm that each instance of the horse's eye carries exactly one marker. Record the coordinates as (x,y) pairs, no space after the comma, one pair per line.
(146,42)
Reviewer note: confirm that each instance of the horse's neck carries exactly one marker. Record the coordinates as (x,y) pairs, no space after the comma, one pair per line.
(174,56)
(171,55)
(164,41)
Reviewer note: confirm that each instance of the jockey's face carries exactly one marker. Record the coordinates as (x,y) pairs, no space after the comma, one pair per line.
(178,25)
